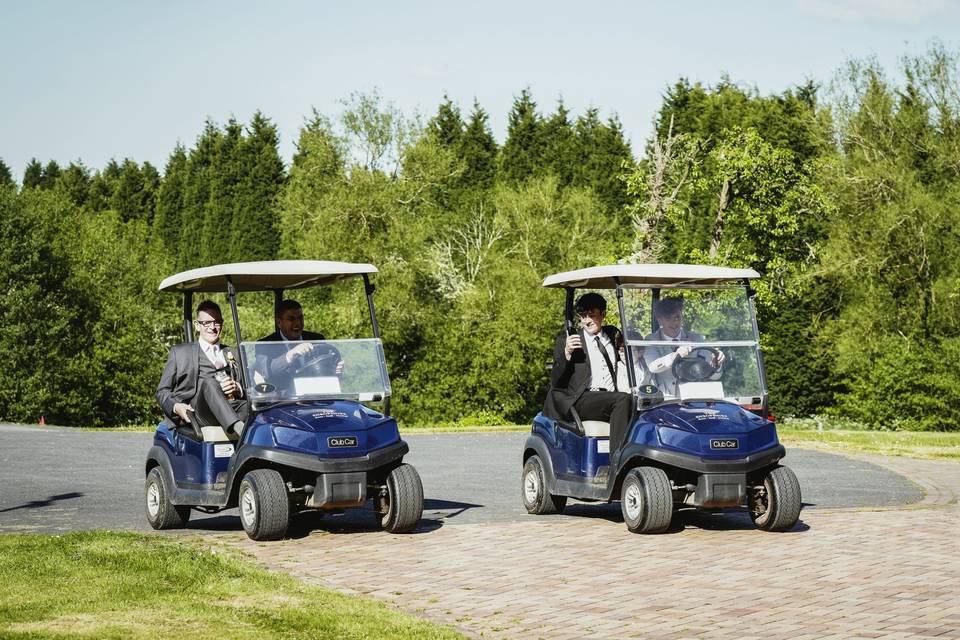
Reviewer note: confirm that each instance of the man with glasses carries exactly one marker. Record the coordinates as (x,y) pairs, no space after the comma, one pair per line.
(199,383)
(584,374)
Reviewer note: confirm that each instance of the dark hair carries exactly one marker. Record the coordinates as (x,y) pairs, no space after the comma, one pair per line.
(208,306)
(287,305)
(667,306)
(590,301)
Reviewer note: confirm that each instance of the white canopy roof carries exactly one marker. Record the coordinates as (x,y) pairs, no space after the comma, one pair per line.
(264,276)
(602,277)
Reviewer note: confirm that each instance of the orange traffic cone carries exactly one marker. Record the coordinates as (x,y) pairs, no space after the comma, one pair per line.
(43,421)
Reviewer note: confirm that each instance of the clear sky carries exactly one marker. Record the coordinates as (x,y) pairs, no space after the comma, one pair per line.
(95,80)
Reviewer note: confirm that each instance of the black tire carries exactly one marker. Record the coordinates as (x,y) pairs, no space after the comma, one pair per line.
(400,504)
(264,505)
(533,488)
(777,506)
(161,513)
(646,500)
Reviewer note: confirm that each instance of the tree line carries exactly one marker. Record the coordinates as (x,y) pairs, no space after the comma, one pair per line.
(843,196)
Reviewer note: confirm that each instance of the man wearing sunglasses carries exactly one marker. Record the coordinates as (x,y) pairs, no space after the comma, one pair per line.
(199,383)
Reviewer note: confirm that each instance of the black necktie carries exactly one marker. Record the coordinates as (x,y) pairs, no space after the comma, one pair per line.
(606,358)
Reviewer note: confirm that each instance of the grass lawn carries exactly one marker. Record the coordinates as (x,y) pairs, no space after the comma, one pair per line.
(915,444)
(127,585)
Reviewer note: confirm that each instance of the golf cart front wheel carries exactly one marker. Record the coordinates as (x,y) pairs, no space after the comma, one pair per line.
(400,503)
(775,505)
(264,505)
(646,500)
(161,513)
(537,499)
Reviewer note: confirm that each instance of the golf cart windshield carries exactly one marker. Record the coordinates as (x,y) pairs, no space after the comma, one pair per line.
(717,325)
(315,370)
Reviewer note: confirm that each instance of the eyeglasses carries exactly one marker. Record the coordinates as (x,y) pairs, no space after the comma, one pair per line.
(210,323)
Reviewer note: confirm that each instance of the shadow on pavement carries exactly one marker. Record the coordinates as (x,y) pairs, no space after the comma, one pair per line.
(729,520)
(39,504)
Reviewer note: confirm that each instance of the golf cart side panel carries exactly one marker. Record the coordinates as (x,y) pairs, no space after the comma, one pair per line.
(196,464)
(572,455)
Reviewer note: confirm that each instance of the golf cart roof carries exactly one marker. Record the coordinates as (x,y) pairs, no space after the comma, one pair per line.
(605,277)
(264,276)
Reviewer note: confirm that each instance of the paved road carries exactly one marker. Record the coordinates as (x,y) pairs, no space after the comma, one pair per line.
(56,480)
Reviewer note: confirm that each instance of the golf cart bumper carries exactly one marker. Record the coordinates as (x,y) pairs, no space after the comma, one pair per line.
(720,483)
(310,462)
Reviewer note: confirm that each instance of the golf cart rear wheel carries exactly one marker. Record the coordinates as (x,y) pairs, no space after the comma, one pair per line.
(646,500)
(536,498)
(264,505)
(161,513)
(400,503)
(776,506)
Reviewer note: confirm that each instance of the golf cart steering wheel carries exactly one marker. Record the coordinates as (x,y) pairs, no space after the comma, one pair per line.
(694,368)
(314,359)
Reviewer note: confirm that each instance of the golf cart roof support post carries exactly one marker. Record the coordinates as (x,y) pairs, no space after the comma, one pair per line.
(188,315)
(232,296)
(368,289)
(277,299)
(568,311)
(631,374)
(765,398)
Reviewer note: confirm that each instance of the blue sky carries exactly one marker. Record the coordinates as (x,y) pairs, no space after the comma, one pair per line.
(97,80)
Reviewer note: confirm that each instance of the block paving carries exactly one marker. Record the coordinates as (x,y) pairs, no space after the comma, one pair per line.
(879,573)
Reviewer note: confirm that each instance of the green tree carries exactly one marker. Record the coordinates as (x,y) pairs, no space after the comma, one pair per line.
(6,177)
(75,183)
(169,218)
(478,149)
(255,233)
(560,145)
(522,154)
(33,174)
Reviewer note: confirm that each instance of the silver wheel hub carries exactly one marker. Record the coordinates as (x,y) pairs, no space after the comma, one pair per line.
(632,502)
(531,487)
(153,500)
(248,507)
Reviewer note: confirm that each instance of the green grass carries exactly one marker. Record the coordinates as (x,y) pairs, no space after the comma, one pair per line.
(914,444)
(127,585)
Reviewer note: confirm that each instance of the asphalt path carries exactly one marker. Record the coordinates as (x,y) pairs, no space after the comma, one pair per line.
(55,480)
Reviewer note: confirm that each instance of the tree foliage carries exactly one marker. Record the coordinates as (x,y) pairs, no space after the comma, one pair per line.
(846,205)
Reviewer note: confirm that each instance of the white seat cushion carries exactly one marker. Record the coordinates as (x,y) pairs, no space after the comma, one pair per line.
(217,434)
(596,428)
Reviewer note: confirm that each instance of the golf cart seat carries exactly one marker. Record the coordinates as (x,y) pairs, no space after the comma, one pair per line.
(218,434)
(596,428)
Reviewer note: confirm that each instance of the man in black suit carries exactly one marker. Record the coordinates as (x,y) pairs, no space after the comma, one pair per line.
(289,320)
(584,374)
(199,382)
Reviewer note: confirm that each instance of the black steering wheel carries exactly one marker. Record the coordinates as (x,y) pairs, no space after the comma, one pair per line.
(694,368)
(313,359)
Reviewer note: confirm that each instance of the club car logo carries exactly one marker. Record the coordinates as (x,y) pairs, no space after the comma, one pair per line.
(724,443)
(342,441)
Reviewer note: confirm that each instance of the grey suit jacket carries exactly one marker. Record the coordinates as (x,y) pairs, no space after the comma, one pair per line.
(664,379)
(180,377)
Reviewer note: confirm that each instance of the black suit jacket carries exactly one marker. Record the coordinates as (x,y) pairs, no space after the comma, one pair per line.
(569,379)
(181,375)
(279,371)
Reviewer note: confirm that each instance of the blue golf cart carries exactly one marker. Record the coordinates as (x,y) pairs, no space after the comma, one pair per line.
(700,433)
(319,436)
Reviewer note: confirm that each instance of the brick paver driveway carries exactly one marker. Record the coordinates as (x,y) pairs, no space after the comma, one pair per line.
(885,573)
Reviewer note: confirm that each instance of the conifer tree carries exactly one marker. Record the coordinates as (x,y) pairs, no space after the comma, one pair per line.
(560,145)
(447,126)
(255,233)
(75,183)
(170,202)
(478,149)
(196,196)
(33,174)
(6,177)
(50,174)
(127,195)
(522,154)
(222,211)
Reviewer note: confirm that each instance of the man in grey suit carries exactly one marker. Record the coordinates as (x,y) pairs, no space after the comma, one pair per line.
(668,313)
(199,383)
